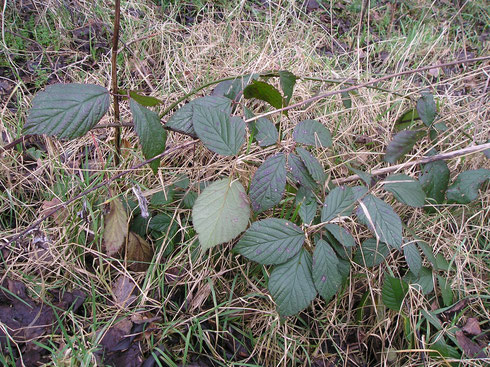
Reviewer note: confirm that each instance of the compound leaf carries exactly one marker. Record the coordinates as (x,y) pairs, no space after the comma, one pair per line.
(311,132)
(314,167)
(299,172)
(401,144)
(181,120)
(271,241)
(67,110)
(150,132)
(381,220)
(287,80)
(291,284)
(339,202)
(341,234)
(220,213)
(405,189)
(371,253)
(393,292)
(265,92)
(326,276)
(465,188)
(268,183)
(218,131)
(426,108)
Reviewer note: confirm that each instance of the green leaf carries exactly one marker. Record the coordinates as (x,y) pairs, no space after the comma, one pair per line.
(371,253)
(181,120)
(268,183)
(314,167)
(299,172)
(365,176)
(67,110)
(405,189)
(307,202)
(161,222)
(401,144)
(339,202)
(220,213)
(446,292)
(424,280)
(426,108)
(291,284)
(267,133)
(393,292)
(406,120)
(189,199)
(346,100)
(232,88)
(359,191)
(150,132)
(341,235)
(271,241)
(381,220)
(265,92)
(326,276)
(465,188)
(218,131)
(287,81)
(434,181)
(427,250)
(413,258)
(311,132)
(163,197)
(146,101)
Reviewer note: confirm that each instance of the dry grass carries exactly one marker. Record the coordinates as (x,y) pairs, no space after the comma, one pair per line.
(199,298)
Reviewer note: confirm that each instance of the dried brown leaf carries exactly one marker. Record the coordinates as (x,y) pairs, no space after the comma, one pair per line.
(470,348)
(201,296)
(58,216)
(472,326)
(122,290)
(116,227)
(139,253)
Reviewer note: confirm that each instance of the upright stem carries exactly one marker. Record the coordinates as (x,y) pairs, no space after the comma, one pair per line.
(115,41)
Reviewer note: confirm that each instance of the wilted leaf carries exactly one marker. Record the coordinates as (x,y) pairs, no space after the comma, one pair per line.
(300,173)
(60,215)
(200,297)
(268,183)
(401,144)
(150,132)
(311,132)
(220,213)
(326,276)
(122,290)
(314,167)
(465,188)
(181,120)
(218,131)
(472,326)
(265,92)
(470,348)
(291,284)
(139,253)
(381,220)
(115,228)
(67,110)
(426,108)
(271,241)
(393,292)
(405,189)
(287,81)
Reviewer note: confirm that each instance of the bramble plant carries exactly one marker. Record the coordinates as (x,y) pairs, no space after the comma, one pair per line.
(309,243)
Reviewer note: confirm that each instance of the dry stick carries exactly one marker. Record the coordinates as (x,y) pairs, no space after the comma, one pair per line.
(115,41)
(366,84)
(171,150)
(438,157)
(104,183)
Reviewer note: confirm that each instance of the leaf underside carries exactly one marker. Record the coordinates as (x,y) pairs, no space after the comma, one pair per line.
(67,110)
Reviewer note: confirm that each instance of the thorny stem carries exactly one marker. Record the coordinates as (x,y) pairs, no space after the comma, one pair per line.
(115,41)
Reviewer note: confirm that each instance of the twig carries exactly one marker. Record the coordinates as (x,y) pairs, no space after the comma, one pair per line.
(433,158)
(115,41)
(366,84)
(88,191)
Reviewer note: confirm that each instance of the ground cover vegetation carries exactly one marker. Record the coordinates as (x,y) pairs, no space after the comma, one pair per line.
(253,183)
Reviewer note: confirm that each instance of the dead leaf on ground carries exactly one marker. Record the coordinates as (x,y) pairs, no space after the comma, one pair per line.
(201,296)
(123,289)
(139,253)
(470,348)
(116,227)
(472,326)
(58,216)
